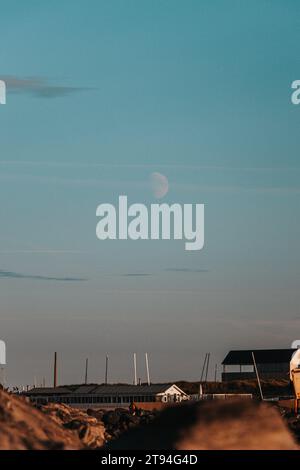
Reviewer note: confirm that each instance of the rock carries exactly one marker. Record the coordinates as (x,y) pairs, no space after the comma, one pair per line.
(74,424)
(98,414)
(23,427)
(211,426)
(89,429)
(111,418)
(197,426)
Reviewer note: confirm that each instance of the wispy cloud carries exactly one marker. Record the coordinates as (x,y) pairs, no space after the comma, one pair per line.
(137,165)
(36,277)
(187,187)
(44,252)
(136,274)
(38,87)
(186,270)
(123,185)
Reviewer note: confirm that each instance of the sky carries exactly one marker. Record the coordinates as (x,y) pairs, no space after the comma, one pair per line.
(99,96)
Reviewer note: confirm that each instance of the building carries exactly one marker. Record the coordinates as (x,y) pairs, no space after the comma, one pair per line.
(271,364)
(99,396)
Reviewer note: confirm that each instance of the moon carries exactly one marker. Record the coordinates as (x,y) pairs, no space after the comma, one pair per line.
(159,185)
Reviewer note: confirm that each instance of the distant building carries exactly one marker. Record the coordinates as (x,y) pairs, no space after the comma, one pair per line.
(271,364)
(85,396)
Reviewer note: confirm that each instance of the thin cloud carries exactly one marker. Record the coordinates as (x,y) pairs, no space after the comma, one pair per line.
(157,165)
(139,185)
(15,275)
(186,270)
(136,275)
(46,252)
(39,87)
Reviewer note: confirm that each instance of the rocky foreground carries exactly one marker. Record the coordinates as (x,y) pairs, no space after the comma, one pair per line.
(214,425)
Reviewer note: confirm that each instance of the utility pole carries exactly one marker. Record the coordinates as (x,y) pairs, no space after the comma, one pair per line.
(203,368)
(86,371)
(55,370)
(216,370)
(207,363)
(147,368)
(134,367)
(257,376)
(106,370)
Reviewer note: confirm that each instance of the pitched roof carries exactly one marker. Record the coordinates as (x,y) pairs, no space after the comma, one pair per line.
(85,389)
(49,391)
(130,389)
(105,390)
(262,356)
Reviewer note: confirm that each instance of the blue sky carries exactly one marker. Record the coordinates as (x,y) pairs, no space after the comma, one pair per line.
(99,97)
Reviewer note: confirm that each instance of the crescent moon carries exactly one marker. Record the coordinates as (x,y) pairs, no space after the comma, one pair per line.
(159,185)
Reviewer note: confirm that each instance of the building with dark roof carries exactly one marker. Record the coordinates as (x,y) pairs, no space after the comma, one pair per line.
(87,396)
(271,364)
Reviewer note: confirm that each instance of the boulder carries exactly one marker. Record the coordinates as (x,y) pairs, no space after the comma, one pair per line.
(89,429)
(23,427)
(212,425)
